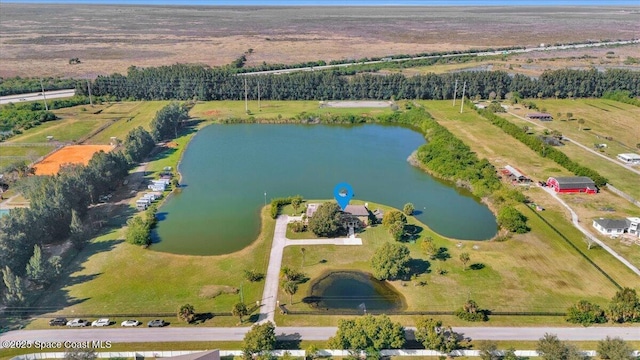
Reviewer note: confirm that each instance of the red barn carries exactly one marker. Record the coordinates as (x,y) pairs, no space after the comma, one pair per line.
(575,184)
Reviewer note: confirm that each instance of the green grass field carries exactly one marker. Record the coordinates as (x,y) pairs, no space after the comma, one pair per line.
(127,116)
(271,110)
(538,271)
(10,154)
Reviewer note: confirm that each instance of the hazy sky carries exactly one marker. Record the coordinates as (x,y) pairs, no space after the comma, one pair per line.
(348,2)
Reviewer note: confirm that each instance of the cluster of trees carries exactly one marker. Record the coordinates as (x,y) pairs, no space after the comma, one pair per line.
(391,261)
(542,148)
(369,334)
(621,96)
(15,118)
(58,207)
(184,82)
(327,220)
(513,220)
(277,203)
(168,121)
(395,221)
(470,311)
(448,156)
(624,307)
(139,227)
(20,85)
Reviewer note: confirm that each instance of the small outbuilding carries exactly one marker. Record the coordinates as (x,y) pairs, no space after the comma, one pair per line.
(573,184)
(539,116)
(629,158)
(515,175)
(311,209)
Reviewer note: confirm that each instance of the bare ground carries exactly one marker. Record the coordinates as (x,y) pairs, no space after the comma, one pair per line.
(39,40)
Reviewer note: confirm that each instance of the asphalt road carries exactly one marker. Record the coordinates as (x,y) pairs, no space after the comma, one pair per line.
(130,335)
(487,53)
(37,96)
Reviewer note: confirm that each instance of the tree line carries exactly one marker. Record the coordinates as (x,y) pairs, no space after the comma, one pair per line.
(58,204)
(542,148)
(185,82)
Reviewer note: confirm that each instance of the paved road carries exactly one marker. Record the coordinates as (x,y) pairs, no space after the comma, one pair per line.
(479,54)
(56,94)
(130,335)
(580,145)
(576,223)
(280,241)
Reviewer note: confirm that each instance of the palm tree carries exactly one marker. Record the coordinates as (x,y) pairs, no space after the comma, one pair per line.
(303,251)
(240,310)
(290,287)
(464,257)
(186,313)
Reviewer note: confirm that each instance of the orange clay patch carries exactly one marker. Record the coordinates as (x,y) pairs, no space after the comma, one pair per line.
(172,144)
(212,113)
(72,154)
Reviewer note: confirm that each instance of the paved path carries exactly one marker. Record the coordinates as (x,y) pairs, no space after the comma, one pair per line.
(169,334)
(272,280)
(576,222)
(580,145)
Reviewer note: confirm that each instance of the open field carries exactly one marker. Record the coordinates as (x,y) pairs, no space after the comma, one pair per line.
(109,39)
(10,154)
(501,149)
(535,63)
(71,154)
(273,110)
(534,272)
(127,116)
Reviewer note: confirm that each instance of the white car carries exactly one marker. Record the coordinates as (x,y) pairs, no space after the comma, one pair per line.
(130,323)
(101,322)
(77,323)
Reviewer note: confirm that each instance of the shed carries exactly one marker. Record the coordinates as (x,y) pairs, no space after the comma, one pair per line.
(574,184)
(629,158)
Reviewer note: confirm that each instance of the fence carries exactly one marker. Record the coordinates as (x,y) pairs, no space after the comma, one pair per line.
(294,353)
(623,195)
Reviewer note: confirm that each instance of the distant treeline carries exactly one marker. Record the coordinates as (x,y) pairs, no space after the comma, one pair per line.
(20,85)
(184,82)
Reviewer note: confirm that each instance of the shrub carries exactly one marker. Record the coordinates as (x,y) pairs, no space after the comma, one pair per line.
(585,313)
(512,220)
(253,275)
(470,311)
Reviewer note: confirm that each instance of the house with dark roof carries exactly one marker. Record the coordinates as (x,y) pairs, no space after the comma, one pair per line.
(539,116)
(573,184)
(615,227)
(610,227)
(356,216)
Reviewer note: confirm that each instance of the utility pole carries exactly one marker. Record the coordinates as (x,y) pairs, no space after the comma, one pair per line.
(246,101)
(46,107)
(455,92)
(464,87)
(89,87)
(259,95)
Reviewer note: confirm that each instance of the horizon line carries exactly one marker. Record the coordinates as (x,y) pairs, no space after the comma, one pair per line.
(334,3)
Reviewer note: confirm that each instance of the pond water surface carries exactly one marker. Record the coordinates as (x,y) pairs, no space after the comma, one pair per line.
(227,169)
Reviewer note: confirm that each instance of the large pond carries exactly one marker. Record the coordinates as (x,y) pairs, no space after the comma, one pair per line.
(353,290)
(227,169)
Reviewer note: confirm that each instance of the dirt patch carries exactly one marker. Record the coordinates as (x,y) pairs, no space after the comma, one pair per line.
(72,154)
(172,145)
(212,291)
(212,113)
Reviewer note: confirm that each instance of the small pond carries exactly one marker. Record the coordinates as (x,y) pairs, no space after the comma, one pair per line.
(353,290)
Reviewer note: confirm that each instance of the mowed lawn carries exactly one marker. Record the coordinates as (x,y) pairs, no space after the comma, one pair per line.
(272,110)
(127,116)
(111,276)
(602,117)
(11,154)
(620,177)
(538,271)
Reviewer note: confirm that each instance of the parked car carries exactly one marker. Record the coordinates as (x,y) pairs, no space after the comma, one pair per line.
(58,322)
(130,323)
(101,322)
(156,323)
(78,323)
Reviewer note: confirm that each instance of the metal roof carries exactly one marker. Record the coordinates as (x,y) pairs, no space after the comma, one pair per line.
(515,171)
(612,223)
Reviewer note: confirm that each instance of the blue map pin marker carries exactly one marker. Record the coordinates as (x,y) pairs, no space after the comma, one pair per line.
(343,193)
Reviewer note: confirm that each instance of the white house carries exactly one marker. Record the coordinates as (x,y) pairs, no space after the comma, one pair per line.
(629,158)
(615,227)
